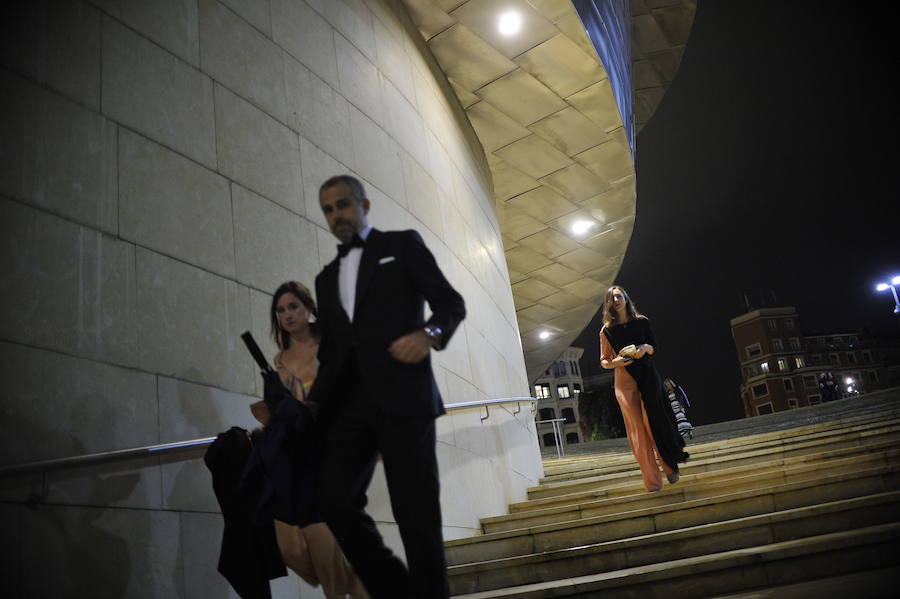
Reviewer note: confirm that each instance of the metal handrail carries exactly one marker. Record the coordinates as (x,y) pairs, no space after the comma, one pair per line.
(178,447)
(557,434)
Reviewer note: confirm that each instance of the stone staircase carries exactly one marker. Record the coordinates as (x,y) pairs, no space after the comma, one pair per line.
(809,510)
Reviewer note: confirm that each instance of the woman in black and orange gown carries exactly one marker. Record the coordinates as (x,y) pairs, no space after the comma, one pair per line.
(627,346)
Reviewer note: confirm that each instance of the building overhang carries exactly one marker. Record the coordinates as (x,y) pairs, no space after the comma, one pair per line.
(541,104)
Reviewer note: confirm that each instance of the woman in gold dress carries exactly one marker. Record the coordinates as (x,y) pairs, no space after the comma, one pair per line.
(306,544)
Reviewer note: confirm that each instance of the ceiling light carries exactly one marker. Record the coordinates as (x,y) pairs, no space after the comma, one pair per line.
(544,334)
(580,227)
(510,23)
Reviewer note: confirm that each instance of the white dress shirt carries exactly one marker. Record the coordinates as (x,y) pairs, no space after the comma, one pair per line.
(347,274)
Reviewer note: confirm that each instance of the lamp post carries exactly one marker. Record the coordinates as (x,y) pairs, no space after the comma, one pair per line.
(893,287)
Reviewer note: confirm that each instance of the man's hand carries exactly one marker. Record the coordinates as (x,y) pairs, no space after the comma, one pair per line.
(412,348)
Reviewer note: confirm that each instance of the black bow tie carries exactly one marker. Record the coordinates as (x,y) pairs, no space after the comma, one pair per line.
(344,248)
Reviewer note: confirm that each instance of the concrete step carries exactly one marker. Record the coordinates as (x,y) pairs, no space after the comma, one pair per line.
(849,441)
(869,584)
(765,565)
(578,559)
(631,521)
(769,472)
(805,477)
(610,464)
(887,401)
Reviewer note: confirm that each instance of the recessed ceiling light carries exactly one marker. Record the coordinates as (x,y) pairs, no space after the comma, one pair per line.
(544,334)
(510,23)
(581,227)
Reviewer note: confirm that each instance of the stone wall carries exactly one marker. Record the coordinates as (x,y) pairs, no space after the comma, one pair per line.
(158,179)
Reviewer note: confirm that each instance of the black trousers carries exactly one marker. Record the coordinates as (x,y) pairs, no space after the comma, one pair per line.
(357,431)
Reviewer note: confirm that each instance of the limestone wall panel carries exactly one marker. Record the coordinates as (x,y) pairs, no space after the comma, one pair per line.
(359,79)
(353,20)
(242,58)
(174,205)
(272,244)
(306,35)
(256,12)
(257,151)
(376,156)
(189,323)
(56,154)
(421,196)
(69,406)
(57,44)
(171,24)
(95,552)
(67,287)
(319,113)
(157,94)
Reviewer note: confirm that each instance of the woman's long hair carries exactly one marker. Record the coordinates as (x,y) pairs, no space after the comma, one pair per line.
(281,337)
(610,317)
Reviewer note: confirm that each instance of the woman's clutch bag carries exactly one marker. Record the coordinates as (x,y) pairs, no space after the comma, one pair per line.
(628,351)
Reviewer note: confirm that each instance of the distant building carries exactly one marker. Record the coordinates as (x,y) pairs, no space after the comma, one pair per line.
(782,368)
(557,392)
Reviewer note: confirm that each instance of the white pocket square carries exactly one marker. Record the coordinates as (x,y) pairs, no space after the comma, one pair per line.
(385,260)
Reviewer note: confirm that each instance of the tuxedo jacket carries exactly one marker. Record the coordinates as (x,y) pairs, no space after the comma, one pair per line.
(397,275)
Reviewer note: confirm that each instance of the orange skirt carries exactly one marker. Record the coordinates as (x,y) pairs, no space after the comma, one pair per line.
(637,427)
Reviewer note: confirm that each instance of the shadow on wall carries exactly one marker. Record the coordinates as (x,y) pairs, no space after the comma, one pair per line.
(57,550)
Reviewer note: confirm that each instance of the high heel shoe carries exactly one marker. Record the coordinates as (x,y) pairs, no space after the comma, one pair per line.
(673,478)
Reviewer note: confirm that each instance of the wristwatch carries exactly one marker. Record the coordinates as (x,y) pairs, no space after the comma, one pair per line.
(434,334)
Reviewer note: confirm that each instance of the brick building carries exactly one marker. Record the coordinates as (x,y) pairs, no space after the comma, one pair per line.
(781,367)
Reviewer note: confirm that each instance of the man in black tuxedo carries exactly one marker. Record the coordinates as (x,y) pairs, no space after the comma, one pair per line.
(377,393)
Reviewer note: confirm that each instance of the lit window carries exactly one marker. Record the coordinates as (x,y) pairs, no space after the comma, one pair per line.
(764,367)
(799,362)
(563,391)
(782,364)
(576,388)
(542,391)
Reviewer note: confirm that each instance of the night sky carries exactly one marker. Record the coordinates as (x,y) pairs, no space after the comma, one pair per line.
(769,164)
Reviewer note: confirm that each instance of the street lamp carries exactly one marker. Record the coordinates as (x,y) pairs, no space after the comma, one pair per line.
(893,287)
